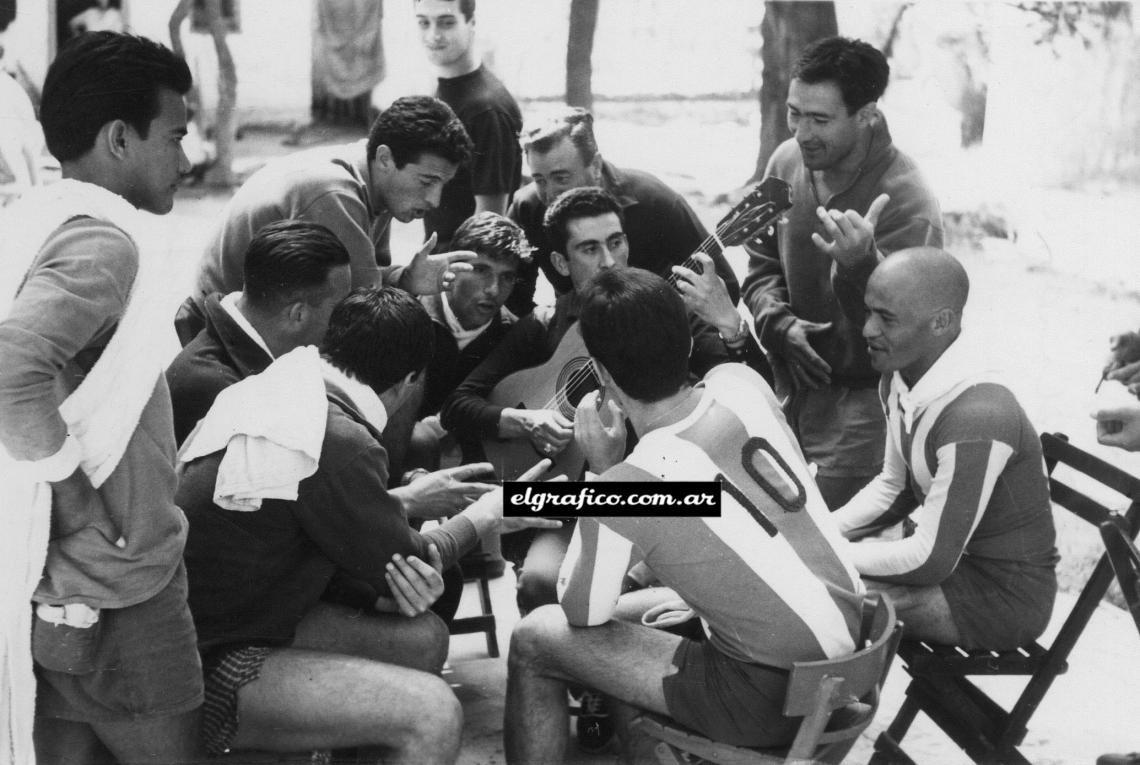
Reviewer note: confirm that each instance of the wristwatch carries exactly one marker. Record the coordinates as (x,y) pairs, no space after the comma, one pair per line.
(739,336)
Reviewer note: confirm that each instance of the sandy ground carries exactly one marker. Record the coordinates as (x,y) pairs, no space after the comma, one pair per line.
(1046,306)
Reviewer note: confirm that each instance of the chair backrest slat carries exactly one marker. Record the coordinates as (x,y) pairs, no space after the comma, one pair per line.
(861,671)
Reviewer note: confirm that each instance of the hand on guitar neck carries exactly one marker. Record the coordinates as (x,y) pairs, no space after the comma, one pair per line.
(546,429)
(705,294)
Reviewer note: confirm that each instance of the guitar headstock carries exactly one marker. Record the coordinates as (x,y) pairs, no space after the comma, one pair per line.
(759,210)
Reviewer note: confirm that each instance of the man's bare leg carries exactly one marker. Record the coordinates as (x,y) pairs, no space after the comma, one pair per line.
(924,610)
(621,660)
(159,740)
(416,643)
(353,679)
(311,700)
(156,740)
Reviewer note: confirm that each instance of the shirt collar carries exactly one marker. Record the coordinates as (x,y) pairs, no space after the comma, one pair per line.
(959,365)
(229,305)
(462,336)
(359,395)
(614,181)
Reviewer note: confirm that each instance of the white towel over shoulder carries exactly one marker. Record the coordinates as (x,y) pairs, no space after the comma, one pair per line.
(271,425)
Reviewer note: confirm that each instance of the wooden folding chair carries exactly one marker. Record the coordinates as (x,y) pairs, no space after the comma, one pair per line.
(1125,560)
(836,698)
(940,686)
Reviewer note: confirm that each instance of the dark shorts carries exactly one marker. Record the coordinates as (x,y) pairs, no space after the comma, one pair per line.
(140,662)
(728,700)
(227,670)
(999,604)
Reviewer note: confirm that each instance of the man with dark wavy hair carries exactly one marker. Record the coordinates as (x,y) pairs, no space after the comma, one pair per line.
(413,149)
(856,199)
(85,421)
(767,575)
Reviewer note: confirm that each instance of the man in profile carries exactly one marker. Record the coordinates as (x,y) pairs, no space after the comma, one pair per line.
(85,425)
(413,149)
(963,462)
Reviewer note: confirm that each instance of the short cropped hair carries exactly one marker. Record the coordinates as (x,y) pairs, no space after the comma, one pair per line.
(635,324)
(287,258)
(466,7)
(415,125)
(100,77)
(492,236)
(582,202)
(571,122)
(858,69)
(378,335)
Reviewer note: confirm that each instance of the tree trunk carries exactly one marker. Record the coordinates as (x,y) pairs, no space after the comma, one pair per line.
(177,16)
(225,122)
(579,49)
(788,26)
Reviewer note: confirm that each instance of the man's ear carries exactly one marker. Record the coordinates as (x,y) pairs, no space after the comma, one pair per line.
(383,158)
(114,137)
(560,262)
(867,114)
(297,312)
(942,321)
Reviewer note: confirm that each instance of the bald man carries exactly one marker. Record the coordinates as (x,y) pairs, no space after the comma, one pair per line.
(962,461)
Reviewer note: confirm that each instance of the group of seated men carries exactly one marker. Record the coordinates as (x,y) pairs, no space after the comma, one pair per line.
(288,606)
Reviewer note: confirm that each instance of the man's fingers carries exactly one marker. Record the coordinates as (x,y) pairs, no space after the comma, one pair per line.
(825,246)
(396,585)
(828,222)
(815,326)
(1125,373)
(427,247)
(470,470)
(434,558)
(458,257)
(876,209)
(536,470)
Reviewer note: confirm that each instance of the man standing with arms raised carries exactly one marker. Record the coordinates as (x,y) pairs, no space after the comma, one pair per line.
(486,109)
(856,198)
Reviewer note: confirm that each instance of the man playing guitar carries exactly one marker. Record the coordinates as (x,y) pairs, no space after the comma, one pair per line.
(584,226)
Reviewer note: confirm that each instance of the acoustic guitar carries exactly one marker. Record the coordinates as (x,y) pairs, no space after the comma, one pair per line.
(561,382)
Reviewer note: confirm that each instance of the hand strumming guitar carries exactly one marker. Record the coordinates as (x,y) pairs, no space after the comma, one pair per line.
(547,430)
(603,445)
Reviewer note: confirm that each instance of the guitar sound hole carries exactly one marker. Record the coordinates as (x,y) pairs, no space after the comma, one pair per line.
(575,381)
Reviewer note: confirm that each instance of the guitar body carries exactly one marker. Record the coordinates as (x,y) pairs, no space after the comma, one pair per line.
(559,383)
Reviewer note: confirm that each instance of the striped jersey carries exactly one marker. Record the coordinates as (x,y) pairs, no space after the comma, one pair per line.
(965,465)
(769,576)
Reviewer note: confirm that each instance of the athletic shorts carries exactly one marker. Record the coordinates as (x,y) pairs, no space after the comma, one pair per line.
(135,663)
(227,670)
(730,701)
(999,604)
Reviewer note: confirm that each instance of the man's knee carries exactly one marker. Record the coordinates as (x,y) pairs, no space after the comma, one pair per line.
(536,636)
(536,588)
(438,723)
(435,638)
